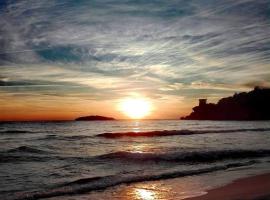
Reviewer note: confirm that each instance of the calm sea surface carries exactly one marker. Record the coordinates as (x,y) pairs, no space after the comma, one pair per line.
(52,160)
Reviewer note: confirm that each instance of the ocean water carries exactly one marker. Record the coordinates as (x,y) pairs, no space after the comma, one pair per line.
(79,160)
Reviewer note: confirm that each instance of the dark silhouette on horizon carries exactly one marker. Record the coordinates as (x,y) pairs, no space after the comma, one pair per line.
(253,105)
(94,118)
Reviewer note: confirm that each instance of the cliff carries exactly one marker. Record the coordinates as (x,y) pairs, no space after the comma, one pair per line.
(253,105)
(94,118)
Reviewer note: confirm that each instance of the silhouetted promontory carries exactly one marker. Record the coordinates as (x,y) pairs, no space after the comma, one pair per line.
(253,105)
(94,118)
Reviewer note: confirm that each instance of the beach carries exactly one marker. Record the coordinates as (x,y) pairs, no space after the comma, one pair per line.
(250,188)
(253,187)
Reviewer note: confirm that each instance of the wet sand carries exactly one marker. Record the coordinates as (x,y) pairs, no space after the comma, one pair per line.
(251,188)
(228,185)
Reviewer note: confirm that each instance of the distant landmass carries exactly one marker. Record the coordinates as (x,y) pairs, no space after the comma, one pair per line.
(253,105)
(94,118)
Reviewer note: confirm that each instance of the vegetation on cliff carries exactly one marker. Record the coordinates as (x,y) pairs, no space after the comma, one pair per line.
(253,105)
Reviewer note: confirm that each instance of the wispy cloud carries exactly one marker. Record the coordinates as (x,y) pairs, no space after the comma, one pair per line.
(109,48)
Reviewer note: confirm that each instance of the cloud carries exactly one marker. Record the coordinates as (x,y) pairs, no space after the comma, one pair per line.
(107,48)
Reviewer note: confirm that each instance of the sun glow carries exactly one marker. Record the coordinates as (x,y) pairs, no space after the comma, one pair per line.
(136,108)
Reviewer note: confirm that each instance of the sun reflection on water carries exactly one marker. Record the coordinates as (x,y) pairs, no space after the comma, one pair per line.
(139,148)
(148,191)
(144,194)
(136,127)
(171,189)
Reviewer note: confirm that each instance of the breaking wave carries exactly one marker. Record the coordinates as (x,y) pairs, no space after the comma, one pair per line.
(187,157)
(175,132)
(98,183)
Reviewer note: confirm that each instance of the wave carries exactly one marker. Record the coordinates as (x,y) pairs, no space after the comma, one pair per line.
(24,154)
(187,157)
(98,183)
(15,158)
(26,149)
(15,131)
(69,137)
(175,132)
(29,154)
(77,137)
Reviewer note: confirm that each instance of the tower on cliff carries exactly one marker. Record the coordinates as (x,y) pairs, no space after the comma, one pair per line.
(202,102)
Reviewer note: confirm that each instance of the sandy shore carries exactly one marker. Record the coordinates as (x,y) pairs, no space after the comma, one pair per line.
(251,188)
(215,186)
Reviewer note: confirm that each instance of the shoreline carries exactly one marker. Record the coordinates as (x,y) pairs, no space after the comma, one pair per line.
(230,185)
(249,188)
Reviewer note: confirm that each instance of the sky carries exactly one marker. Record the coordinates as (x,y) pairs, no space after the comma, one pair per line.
(60,59)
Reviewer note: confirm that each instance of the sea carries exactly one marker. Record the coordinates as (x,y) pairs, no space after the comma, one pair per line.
(128,159)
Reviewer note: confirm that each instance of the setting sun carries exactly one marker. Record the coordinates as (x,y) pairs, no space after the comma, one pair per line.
(135,108)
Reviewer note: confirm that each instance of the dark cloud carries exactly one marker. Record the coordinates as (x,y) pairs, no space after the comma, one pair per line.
(6,82)
(261,83)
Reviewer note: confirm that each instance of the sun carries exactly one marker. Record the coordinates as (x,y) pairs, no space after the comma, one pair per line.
(135,108)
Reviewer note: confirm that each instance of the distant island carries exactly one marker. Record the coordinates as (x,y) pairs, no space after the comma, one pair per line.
(253,105)
(94,118)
